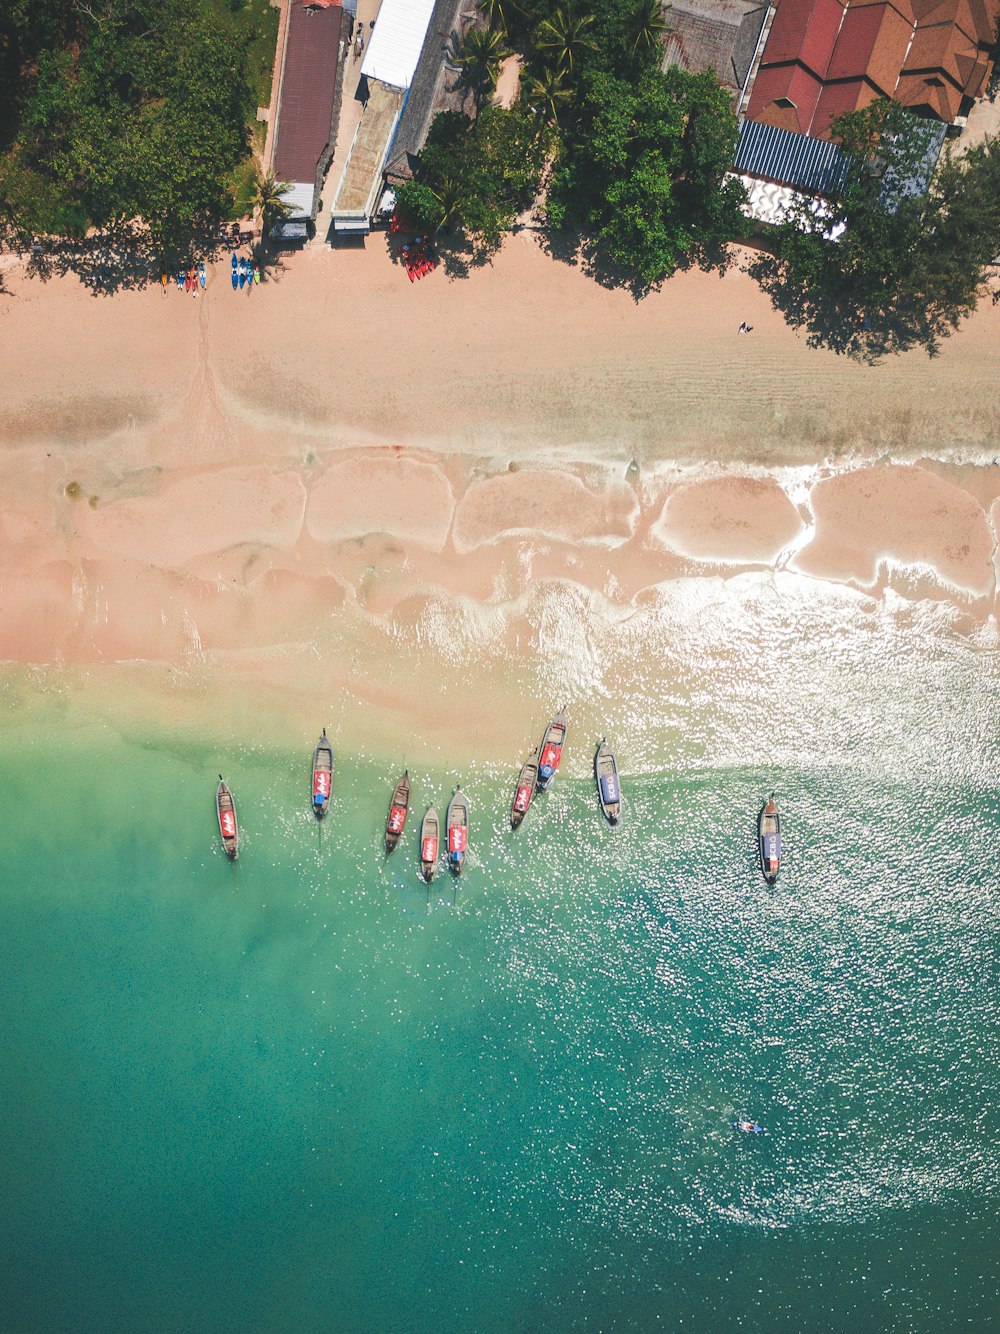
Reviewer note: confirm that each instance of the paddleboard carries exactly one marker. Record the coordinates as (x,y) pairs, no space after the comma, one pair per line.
(236,278)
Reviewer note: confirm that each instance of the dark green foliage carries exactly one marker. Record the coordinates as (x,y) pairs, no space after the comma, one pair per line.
(641,175)
(478,56)
(638,156)
(136,110)
(476,175)
(907,267)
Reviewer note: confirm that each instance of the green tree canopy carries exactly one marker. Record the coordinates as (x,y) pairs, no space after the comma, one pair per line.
(476,176)
(908,265)
(478,56)
(642,172)
(135,109)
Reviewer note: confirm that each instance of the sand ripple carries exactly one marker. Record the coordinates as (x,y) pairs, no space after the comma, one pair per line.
(728,519)
(365,494)
(546,503)
(197,515)
(906,515)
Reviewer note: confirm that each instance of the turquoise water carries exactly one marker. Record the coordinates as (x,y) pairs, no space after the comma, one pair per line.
(300,1094)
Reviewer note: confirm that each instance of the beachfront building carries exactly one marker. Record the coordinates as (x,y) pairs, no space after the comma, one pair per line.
(435,87)
(720,35)
(822,58)
(305,108)
(826,57)
(387,74)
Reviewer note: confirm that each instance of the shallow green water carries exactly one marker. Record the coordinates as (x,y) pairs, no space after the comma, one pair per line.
(298,1095)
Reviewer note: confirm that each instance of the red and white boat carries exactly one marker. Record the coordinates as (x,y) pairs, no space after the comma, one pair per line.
(430,832)
(322,776)
(229,829)
(396,818)
(457,822)
(550,753)
(525,789)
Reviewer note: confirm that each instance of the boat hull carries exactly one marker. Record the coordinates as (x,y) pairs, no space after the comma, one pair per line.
(430,832)
(524,791)
(322,777)
(550,751)
(229,829)
(769,843)
(608,787)
(396,819)
(457,824)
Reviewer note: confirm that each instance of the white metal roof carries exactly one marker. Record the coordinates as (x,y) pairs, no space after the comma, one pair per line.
(299,197)
(396,42)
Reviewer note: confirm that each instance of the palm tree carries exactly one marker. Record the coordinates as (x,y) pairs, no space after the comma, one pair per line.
(479,57)
(547,92)
(268,200)
(499,13)
(564,36)
(645,27)
(451,195)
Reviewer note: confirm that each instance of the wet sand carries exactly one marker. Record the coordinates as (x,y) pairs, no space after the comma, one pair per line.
(345,483)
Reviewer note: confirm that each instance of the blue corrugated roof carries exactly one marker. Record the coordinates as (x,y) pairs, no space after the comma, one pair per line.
(815,165)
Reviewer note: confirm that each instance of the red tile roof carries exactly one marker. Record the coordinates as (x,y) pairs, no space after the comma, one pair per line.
(824,57)
(872,44)
(791,83)
(308,82)
(804,30)
(836,99)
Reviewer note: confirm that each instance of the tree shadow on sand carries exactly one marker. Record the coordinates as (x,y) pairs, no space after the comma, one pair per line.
(592,258)
(841,323)
(124,259)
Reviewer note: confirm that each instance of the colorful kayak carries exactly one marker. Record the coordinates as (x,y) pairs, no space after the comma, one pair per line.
(243,272)
(322,776)
(430,832)
(180,279)
(398,808)
(236,272)
(457,824)
(202,275)
(550,755)
(524,790)
(256,273)
(229,830)
(769,840)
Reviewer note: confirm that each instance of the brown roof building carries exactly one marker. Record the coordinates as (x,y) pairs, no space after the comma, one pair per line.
(825,57)
(308,84)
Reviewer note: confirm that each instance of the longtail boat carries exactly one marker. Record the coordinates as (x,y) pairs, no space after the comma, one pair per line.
(322,782)
(550,753)
(524,790)
(457,822)
(608,788)
(396,818)
(769,839)
(229,830)
(430,831)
